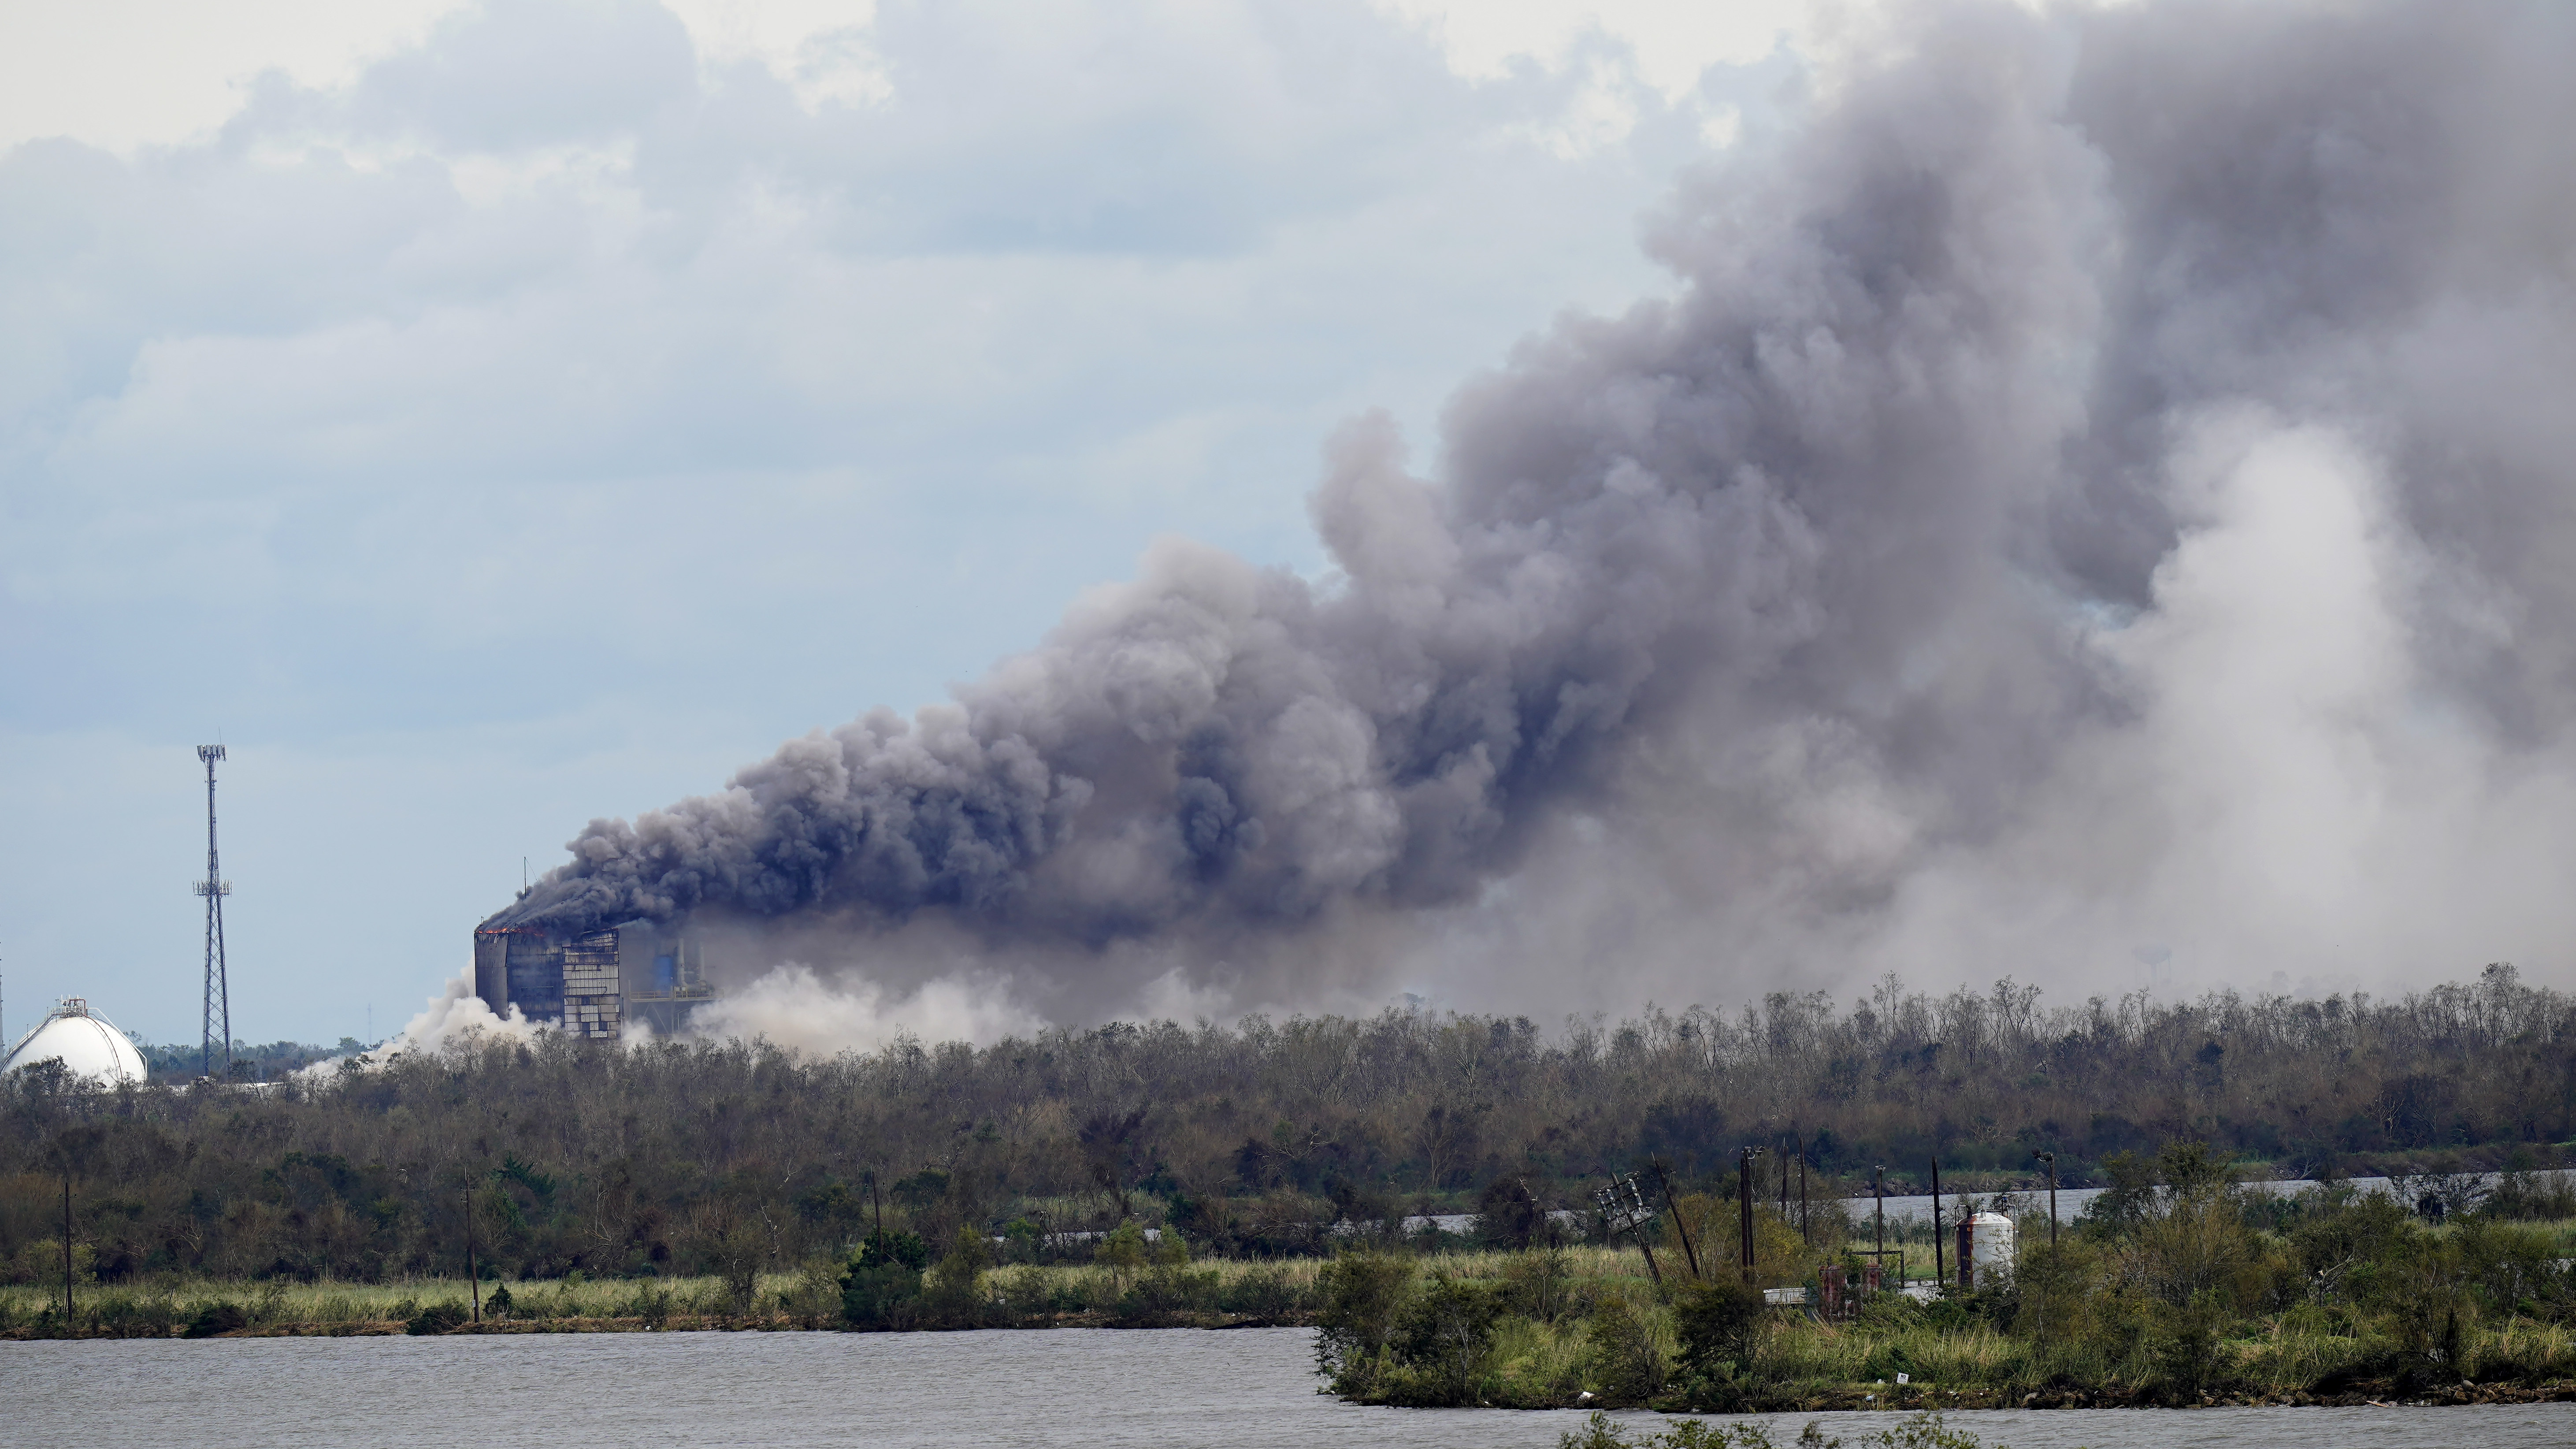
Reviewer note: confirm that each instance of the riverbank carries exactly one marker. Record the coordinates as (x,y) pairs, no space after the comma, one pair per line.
(1545,1329)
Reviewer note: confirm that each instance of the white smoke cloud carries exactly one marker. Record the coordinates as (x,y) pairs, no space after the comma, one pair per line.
(794,1008)
(456,1017)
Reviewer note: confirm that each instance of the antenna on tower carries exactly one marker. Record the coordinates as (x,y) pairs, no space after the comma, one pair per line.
(219,1006)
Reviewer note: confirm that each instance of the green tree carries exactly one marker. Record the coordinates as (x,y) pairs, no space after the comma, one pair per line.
(1627,1365)
(1443,1333)
(1720,1325)
(1361,1293)
(1122,1252)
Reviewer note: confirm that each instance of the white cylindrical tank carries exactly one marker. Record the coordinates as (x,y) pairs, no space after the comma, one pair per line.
(1985,1251)
(85,1042)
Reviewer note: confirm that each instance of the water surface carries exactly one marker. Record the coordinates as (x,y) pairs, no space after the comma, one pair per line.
(1239,1389)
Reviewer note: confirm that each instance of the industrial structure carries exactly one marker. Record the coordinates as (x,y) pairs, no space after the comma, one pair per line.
(591,981)
(218,1025)
(1986,1251)
(83,1041)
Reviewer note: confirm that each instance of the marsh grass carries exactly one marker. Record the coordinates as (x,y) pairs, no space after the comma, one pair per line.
(1024,1295)
(284,1304)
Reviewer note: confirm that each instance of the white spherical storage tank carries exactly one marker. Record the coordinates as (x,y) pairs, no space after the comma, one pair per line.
(1986,1251)
(84,1041)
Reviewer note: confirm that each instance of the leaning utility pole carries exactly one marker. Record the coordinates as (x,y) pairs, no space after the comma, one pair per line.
(1623,1209)
(1664,1180)
(219,1006)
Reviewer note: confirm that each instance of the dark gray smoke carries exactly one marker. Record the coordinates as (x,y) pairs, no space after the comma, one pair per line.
(2101,490)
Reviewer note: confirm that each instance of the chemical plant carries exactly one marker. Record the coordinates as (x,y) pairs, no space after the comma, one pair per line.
(591,982)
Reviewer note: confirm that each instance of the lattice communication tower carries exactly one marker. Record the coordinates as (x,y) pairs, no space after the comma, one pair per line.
(219,1006)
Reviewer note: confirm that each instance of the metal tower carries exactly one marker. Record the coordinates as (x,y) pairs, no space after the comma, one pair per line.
(219,1006)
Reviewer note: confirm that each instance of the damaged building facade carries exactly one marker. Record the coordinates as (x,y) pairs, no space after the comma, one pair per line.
(597,983)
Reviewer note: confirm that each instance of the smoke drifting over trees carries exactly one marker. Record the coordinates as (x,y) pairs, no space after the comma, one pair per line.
(2100,481)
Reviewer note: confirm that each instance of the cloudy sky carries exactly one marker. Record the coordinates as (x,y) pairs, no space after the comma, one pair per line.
(1551,506)
(485,417)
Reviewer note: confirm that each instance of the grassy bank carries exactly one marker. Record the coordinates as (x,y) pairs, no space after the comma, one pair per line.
(2193,1293)
(1216,1293)
(2190,1292)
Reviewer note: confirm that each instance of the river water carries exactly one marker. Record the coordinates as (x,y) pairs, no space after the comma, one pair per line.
(1241,1389)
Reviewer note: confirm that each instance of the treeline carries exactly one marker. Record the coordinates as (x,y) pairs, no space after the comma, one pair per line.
(1249,1140)
(178,1063)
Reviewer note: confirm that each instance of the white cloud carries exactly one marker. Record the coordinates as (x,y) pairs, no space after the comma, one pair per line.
(122,74)
(1674,44)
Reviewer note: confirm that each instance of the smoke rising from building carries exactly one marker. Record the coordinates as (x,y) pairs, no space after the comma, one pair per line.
(2100,488)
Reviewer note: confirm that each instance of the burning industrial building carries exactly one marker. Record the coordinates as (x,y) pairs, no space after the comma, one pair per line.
(2100,477)
(593,982)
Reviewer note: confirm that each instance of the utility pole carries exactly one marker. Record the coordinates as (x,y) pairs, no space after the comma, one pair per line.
(2051,1159)
(473,1284)
(1664,1181)
(218,1006)
(67,1242)
(1622,1199)
(1804,1236)
(1878,1185)
(1940,1269)
(1744,1207)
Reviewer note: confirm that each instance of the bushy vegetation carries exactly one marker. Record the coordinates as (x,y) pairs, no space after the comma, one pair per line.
(178,1063)
(1922,1431)
(2179,1286)
(1266,1139)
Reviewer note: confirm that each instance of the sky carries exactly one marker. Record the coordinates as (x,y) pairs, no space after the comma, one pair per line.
(483,418)
(1285,504)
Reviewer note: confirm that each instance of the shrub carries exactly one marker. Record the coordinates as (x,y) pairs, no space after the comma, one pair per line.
(1262,1294)
(951,1299)
(880,1297)
(1164,1293)
(221,1316)
(1719,1324)
(122,1315)
(815,1297)
(653,1304)
(1627,1364)
(1508,1214)
(1122,1252)
(437,1318)
(1361,1294)
(1028,1295)
(1443,1334)
(1542,1282)
(879,1250)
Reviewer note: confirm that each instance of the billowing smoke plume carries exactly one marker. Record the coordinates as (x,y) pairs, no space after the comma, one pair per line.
(2100,492)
